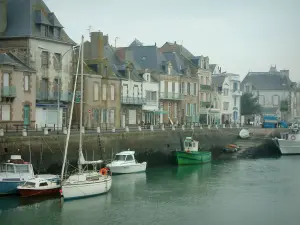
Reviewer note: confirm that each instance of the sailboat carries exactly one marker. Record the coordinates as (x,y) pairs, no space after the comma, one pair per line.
(83,183)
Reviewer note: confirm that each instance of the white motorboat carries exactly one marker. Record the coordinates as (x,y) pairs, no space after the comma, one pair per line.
(83,183)
(124,162)
(289,143)
(39,187)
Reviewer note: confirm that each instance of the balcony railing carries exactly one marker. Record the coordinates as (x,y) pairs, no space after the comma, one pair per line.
(205,104)
(9,91)
(171,95)
(205,87)
(151,102)
(52,96)
(236,92)
(133,100)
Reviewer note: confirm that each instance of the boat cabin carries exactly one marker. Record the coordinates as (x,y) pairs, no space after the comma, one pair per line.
(37,182)
(190,145)
(16,165)
(125,156)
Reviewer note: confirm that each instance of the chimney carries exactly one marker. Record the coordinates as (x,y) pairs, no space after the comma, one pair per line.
(285,73)
(3,15)
(105,40)
(97,45)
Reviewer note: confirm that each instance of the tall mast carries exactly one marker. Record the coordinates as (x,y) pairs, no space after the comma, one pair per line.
(81,108)
(71,115)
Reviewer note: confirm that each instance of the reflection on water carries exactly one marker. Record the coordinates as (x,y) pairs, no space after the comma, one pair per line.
(244,192)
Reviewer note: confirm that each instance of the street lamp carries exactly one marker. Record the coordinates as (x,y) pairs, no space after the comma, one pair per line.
(58,77)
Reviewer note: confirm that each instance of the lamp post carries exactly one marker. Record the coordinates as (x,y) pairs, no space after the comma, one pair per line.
(58,78)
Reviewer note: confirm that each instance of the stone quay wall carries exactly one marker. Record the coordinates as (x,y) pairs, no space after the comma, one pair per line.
(155,147)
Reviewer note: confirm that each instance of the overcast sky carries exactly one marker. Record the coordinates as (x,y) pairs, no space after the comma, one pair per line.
(240,36)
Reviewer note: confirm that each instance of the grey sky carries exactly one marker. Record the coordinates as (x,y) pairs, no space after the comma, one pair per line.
(239,35)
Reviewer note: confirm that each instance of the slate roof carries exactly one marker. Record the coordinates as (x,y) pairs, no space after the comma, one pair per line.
(11,60)
(267,81)
(179,49)
(142,57)
(23,17)
(212,67)
(135,43)
(218,80)
(177,63)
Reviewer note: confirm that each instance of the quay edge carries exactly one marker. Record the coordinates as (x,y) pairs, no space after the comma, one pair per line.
(154,147)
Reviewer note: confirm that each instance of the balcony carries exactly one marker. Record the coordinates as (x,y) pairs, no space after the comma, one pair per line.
(171,96)
(151,102)
(205,104)
(237,92)
(205,87)
(133,100)
(8,92)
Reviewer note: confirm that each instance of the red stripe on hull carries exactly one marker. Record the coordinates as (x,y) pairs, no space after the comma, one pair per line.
(31,193)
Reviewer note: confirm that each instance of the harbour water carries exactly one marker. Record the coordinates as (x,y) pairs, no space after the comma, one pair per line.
(260,192)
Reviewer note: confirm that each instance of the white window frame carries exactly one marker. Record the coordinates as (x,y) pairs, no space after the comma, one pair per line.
(112,92)
(5,117)
(96,91)
(26,82)
(104,90)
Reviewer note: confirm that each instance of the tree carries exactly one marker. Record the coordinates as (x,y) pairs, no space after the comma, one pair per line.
(249,104)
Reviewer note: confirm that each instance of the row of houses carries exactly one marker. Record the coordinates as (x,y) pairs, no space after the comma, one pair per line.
(123,86)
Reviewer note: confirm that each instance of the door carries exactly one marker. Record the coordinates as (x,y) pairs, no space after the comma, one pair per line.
(123,120)
(132,116)
(235,115)
(6,80)
(26,113)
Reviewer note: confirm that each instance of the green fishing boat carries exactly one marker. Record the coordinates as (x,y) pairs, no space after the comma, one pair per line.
(191,154)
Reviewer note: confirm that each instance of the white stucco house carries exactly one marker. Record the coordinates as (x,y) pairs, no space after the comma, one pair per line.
(228,94)
(272,88)
(150,114)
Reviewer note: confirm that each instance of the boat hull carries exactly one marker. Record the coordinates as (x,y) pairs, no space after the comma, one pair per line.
(9,187)
(86,189)
(39,192)
(126,169)
(189,158)
(289,147)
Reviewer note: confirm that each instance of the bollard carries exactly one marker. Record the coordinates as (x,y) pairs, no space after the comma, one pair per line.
(82,130)
(162,127)
(98,130)
(46,131)
(113,129)
(139,128)
(182,127)
(65,131)
(127,129)
(24,132)
(173,127)
(208,126)
(1,132)
(201,127)
(224,126)
(151,128)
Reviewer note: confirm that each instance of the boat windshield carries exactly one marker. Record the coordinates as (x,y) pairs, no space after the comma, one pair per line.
(29,184)
(188,144)
(21,168)
(120,157)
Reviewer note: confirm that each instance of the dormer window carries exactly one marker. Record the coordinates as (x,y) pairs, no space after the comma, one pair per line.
(44,30)
(57,33)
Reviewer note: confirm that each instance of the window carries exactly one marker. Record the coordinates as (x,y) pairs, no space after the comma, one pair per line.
(275,100)
(175,110)
(112,92)
(57,61)
(10,168)
(104,116)
(201,80)
(234,101)
(188,109)
(188,88)
(57,32)
(120,157)
(235,86)
(192,89)
(182,88)
(201,97)
(261,99)
(26,82)
(96,91)
(45,31)
(173,87)
(45,59)
(169,109)
(22,168)
(43,184)
(248,88)
(225,105)
(129,158)
(207,81)
(104,92)
(105,71)
(5,112)
(195,89)
(112,116)
(225,91)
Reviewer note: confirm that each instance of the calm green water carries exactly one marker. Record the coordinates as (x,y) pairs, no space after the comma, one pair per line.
(260,192)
